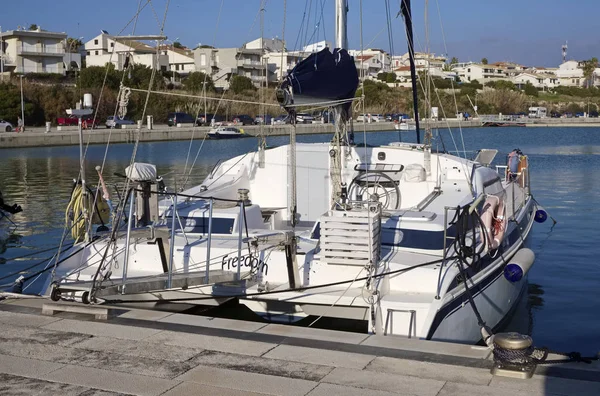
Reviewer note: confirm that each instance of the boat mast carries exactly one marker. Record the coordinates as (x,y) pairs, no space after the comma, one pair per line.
(340,120)
(406,14)
(341,23)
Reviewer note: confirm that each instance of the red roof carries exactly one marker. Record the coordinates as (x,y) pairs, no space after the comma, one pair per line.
(364,57)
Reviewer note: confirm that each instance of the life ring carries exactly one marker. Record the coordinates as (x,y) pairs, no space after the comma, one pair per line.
(493,217)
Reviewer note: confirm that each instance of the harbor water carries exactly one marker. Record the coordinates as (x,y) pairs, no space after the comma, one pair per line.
(560,309)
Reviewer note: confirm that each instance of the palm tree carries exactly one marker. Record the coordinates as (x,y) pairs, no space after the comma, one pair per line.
(588,68)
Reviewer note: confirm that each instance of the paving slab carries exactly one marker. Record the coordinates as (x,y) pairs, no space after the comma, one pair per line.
(144,314)
(110,380)
(384,382)
(442,372)
(252,382)
(455,389)
(156,367)
(26,367)
(22,386)
(40,350)
(221,344)
(25,320)
(102,329)
(320,356)
(263,365)
(8,332)
(442,348)
(220,323)
(313,334)
(341,390)
(146,349)
(196,389)
(554,385)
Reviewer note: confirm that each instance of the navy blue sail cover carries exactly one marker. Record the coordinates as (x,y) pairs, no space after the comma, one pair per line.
(321,77)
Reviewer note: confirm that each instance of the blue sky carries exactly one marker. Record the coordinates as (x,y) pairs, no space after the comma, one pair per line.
(525,31)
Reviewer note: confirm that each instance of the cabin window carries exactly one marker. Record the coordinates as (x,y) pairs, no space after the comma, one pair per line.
(381,156)
(200,225)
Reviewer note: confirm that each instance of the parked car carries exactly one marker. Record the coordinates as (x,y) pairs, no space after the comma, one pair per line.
(282,119)
(111,122)
(5,126)
(304,118)
(67,121)
(243,119)
(208,119)
(266,119)
(89,123)
(179,118)
(593,114)
(371,117)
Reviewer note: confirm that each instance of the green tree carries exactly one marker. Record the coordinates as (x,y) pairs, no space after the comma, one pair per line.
(484,61)
(33,26)
(93,77)
(10,104)
(195,81)
(454,60)
(588,68)
(239,84)
(177,44)
(505,85)
(530,89)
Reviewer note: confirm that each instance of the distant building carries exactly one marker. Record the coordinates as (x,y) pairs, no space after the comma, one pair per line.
(541,81)
(267,45)
(482,73)
(222,63)
(281,63)
(377,61)
(181,60)
(316,47)
(33,51)
(104,49)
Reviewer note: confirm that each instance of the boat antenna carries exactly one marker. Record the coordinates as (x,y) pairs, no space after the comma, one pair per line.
(406,15)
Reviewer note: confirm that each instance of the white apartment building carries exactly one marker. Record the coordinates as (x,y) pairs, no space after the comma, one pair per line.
(281,63)
(180,60)
(376,57)
(104,49)
(268,45)
(222,63)
(511,69)
(316,47)
(33,51)
(538,80)
(368,66)
(482,73)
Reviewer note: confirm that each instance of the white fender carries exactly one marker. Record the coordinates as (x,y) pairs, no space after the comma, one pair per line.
(519,265)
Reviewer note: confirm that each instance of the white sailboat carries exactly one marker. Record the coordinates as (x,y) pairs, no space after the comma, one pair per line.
(412,241)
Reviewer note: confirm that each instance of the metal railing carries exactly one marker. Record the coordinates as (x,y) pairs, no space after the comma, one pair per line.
(39,49)
(207,229)
(520,183)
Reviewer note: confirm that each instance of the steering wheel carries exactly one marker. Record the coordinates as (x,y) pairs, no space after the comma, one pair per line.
(375,186)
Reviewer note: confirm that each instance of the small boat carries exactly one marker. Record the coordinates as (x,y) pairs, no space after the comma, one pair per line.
(226,132)
(404,126)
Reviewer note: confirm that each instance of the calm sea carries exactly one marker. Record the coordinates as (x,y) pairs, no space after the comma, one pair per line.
(562,305)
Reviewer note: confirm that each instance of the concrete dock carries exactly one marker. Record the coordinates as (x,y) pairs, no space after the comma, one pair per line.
(139,352)
(37,137)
